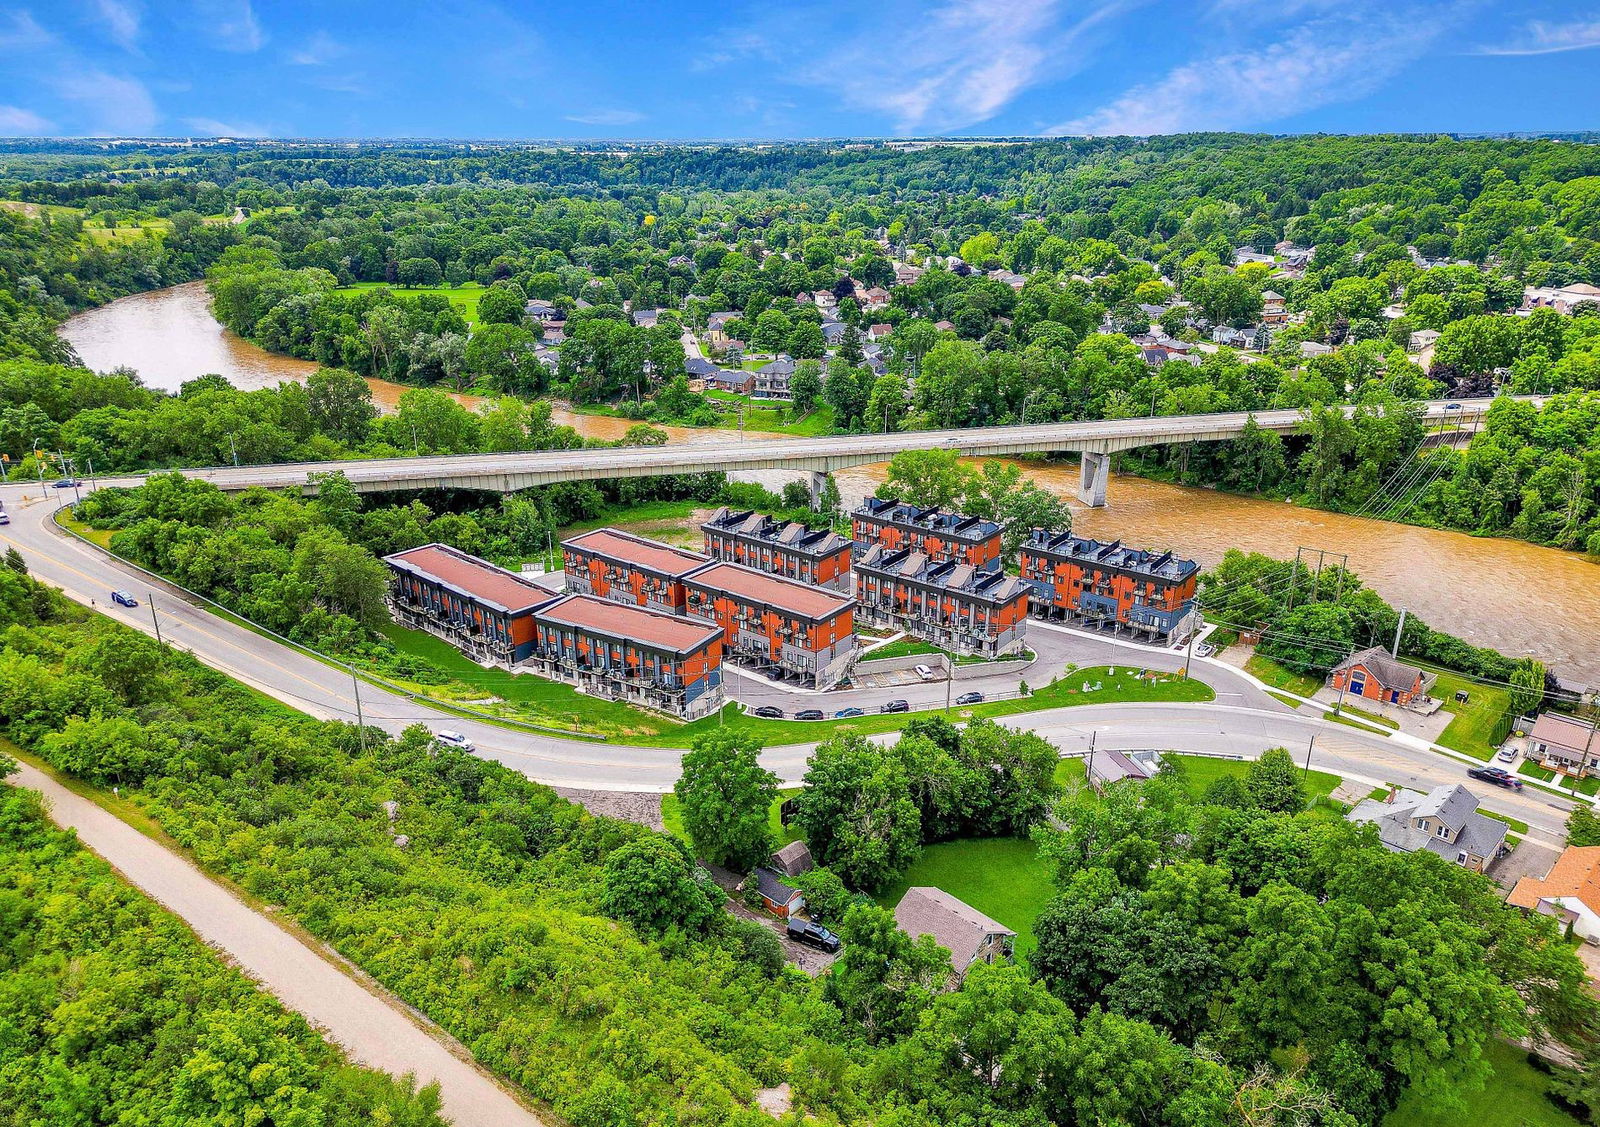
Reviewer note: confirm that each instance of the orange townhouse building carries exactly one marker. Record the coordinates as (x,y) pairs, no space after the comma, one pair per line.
(942,536)
(629,654)
(788,549)
(955,606)
(628,569)
(784,629)
(482,610)
(1099,584)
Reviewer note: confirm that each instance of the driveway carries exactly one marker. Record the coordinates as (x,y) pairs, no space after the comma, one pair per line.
(372,1028)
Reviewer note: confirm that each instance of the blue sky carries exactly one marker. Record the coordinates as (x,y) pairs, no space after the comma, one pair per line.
(511,68)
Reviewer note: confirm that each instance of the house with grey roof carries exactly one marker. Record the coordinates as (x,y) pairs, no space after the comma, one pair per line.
(1444,821)
(793,859)
(772,379)
(1376,675)
(969,935)
(776,896)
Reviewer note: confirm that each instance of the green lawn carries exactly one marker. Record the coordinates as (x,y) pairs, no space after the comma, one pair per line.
(903,647)
(1473,723)
(464,297)
(1202,770)
(1512,1097)
(1276,676)
(1002,877)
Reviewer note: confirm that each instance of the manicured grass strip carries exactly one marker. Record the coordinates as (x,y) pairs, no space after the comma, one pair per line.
(1284,698)
(1001,877)
(1120,689)
(1276,676)
(1513,1096)
(902,647)
(1516,824)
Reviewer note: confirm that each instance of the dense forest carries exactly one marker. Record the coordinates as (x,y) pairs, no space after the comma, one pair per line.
(1245,954)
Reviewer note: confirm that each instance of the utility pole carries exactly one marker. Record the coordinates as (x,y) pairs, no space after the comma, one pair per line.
(1394,651)
(1194,628)
(92,483)
(949,677)
(38,460)
(235,449)
(155,619)
(361,722)
(1309,746)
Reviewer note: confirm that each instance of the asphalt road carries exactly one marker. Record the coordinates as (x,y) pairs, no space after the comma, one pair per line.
(1242,721)
(371,1028)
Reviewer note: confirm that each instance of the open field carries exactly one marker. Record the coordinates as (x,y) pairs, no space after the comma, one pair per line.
(1473,723)
(1271,673)
(464,297)
(1002,877)
(1200,771)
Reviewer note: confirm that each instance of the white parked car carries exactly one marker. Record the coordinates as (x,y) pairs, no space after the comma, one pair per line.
(1205,649)
(1507,754)
(924,672)
(456,740)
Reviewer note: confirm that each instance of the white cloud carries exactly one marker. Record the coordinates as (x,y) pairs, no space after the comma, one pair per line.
(1322,61)
(113,106)
(19,31)
(606,117)
(927,71)
(230,24)
(211,127)
(1541,38)
(18,122)
(121,20)
(320,50)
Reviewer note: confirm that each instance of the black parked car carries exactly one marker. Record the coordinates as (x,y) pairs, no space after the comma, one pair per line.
(813,935)
(970,698)
(1497,776)
(68,483)
(768,712)
(809,714)
(896,706)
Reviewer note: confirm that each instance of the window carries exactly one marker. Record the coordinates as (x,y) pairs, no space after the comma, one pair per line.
(1443,831)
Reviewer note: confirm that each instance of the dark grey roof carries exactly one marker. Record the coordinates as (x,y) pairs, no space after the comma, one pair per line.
(770,884)
(793,859)
(1391,674)
(956,926)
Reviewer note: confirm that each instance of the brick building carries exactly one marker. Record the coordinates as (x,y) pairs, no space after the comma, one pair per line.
(628,569)
(955,606)
(1097,583)
(791,550)
(783,628)
(629,654)
(1377,676)
(619,652)
(941,535)
(483,610)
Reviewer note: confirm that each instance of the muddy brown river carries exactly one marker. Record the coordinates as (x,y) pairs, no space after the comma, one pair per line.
(1515,597)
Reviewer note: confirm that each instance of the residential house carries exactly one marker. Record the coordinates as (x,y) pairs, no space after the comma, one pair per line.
(1101,583)
(772,379)
(1109,766)
(1444,821)
(786,548)
(717,328)
(630,569)
(1570,893)
(699,368)
(875,298)
(1273,311)
(945,326)
(736,380)
(1565,744)
(554,333)
(646,318)
(1251,254)
(969,935)
(1310,349)
(941,535)
(537,310)
(1234,338)
(879,332)
(833,333)
(629,654)
(953,605)
(1563,299)
(1423,339)
(787,630)
(1373,674)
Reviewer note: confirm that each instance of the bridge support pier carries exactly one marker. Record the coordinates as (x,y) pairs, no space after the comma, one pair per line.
(816,481)
(1094,473)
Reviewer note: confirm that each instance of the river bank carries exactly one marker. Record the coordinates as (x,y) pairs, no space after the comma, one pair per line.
(1510,595)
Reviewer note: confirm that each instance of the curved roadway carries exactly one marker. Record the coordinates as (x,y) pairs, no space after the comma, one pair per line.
(1242,721)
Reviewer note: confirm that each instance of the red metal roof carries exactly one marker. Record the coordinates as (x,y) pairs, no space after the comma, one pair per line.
(468,575)
(636,624)
(774,591)
(651,554)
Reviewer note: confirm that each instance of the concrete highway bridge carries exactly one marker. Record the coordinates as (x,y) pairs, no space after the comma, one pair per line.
(507,473)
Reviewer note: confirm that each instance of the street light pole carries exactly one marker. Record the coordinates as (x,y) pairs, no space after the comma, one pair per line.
(1194,628)
(1309,746)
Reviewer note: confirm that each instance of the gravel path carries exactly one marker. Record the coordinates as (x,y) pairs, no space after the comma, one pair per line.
(373,1029)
